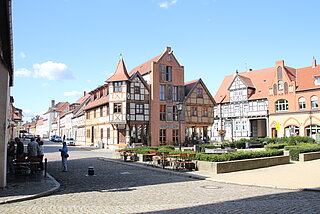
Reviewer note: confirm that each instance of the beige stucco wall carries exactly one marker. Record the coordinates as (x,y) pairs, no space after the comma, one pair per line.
(4,100)
(301,120)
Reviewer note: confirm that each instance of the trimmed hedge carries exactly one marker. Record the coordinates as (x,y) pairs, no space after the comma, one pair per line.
(289,140)
(294,151)
(236,155)
(275,146)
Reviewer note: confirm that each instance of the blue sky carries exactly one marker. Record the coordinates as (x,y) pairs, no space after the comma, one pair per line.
(63,47)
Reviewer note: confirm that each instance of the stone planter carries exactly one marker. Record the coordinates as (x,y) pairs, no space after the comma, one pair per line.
(239,165)
(309,156)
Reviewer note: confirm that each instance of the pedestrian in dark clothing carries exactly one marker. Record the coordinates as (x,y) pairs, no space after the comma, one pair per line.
(64,156)
(40,154)
(20,149)
(10,156)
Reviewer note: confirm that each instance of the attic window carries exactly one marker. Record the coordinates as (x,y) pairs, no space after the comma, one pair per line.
(259,91)
(317,81)
(264,80)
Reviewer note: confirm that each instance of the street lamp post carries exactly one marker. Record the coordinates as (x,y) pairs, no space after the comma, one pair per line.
(179,109)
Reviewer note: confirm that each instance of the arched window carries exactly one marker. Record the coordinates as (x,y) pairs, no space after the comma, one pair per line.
(312,130)
(274,89)
(314,102)
(282,105)
(279,73)
(280,84)
(291,131)
(302,103)
(286,88)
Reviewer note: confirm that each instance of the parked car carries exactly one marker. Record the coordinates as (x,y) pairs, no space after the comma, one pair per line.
(52,137)
(70,141)
(57,139)
(29,136)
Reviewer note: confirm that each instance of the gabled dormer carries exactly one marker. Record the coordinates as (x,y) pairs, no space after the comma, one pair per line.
(240,88)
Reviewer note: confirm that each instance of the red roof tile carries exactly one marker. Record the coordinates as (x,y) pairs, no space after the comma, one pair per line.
(260,80)
(120,73)
(97,102)
(305,77)
(145,67)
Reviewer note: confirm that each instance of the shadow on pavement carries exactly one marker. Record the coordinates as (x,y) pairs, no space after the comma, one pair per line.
(108,176)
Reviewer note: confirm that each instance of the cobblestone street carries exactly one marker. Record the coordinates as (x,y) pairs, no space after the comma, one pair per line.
(119,188)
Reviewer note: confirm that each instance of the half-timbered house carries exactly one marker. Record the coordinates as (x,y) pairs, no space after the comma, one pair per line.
(199,113)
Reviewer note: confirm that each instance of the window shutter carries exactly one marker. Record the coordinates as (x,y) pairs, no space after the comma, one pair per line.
(162,72)
(181,92)
(169,113)
(169,93)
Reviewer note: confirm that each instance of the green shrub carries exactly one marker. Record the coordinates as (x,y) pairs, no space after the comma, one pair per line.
(275,146)
(236,156)
(294,151)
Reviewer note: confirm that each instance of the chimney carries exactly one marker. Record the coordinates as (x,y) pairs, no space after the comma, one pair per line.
(84,93)
(314,62)
(280,63)
(168,49)
(53,103)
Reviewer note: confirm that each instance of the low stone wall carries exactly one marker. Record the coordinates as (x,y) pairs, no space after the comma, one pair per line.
(309,156)
(239,165)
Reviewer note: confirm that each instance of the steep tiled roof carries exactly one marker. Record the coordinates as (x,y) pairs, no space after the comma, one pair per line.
(120,73)
(260,80)
(189,86)
(83,98)
(97,102)
(247,81)
(145,67)
(305,77)
(60,106)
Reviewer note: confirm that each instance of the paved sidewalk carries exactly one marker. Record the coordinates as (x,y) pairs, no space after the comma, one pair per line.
(294,176)
(24,188)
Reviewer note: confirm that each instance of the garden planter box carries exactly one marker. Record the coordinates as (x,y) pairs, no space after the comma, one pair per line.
(309,156)
(239,165)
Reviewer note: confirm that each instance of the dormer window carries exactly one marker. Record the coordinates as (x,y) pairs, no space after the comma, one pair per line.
(317,80)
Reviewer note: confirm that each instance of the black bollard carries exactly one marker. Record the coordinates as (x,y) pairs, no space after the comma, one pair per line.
(45,167)
(90,170)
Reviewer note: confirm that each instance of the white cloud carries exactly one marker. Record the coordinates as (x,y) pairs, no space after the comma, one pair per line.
(72,93)
(22,72)
(164,5)
(167,4)
(52,71)
(22,55)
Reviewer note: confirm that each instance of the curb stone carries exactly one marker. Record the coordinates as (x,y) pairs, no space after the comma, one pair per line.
(199,177)
(38,195)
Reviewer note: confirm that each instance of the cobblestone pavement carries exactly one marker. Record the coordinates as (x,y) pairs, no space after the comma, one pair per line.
(119,188)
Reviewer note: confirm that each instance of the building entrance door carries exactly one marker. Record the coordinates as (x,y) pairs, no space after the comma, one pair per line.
(274,133)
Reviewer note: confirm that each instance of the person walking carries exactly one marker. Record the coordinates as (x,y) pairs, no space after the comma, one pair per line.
(20,149)
(64,156)
(40,154)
